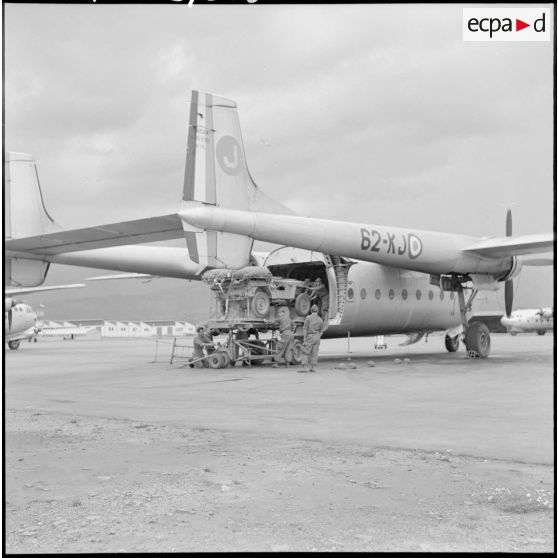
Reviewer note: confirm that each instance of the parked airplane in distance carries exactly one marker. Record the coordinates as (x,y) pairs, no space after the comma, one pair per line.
(540,320)
(380,280)
(20,319)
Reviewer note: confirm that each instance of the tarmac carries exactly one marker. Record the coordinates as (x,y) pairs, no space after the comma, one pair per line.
(446,437)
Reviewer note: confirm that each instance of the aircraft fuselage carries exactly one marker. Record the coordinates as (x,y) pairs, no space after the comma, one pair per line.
(384,300)
(367,298)
(18,320)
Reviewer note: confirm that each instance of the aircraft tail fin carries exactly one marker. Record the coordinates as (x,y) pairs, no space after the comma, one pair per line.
(217,174)
(24,215)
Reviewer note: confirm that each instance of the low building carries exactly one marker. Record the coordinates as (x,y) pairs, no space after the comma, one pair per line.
(121,328)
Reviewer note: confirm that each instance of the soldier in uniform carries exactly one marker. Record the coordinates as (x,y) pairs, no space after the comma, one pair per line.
(313,328)
(208,336)
(200,343)
(287,339)
(320,297)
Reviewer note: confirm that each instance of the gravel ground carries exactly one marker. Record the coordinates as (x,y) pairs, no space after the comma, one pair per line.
(139,487)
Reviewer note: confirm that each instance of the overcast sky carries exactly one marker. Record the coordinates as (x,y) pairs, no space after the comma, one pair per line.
(373,113)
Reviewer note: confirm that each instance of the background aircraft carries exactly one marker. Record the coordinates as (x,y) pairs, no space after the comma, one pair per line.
(525,320)
(380,280)
(20,319)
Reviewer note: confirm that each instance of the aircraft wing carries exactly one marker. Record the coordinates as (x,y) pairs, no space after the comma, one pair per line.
(424,251)
(152,229)
(10,291)
(512,246)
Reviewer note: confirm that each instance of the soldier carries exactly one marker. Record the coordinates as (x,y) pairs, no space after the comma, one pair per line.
(320,296)
(307,287)
(200,343)
(208,336)
(313,328)
(287,339)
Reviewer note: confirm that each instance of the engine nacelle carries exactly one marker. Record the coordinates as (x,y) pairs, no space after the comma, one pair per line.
(483,282)
(516,265)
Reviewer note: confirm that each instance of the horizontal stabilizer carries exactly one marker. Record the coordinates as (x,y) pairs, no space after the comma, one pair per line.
(512,246)
(152,229)
(121,276)
(10,291)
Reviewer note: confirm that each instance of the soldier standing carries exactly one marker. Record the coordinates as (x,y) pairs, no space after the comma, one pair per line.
(313,328)
(287,339)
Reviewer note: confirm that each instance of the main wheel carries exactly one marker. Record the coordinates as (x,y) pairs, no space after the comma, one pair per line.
(302,304)
(477,339)
(14,345)
(260,304)
(541,332)
(452,343)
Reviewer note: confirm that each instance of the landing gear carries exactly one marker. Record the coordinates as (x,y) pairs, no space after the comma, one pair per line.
(452,343)
(476,336)
(14,345)
(477,339)
(541,332)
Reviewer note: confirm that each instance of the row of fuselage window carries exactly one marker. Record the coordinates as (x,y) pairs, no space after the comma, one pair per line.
(391,294)
(22,309)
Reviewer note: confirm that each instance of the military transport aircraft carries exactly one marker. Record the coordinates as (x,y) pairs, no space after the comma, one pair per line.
(540,320)
(20,319)
(381,280)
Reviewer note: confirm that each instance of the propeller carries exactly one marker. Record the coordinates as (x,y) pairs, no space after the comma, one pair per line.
(508,286)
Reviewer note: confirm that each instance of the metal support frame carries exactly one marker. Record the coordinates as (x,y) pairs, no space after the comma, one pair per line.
(465,307)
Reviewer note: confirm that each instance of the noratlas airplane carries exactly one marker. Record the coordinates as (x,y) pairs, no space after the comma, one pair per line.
(381,280)
(20,319)
(540,320)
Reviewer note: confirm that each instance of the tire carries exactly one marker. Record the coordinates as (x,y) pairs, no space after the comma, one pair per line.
(452,343)
(215,360)
(296,353)
(225,359)
(302,304)
(541,332)
(477,339)
(260,304)
(14,345)
(513,333)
